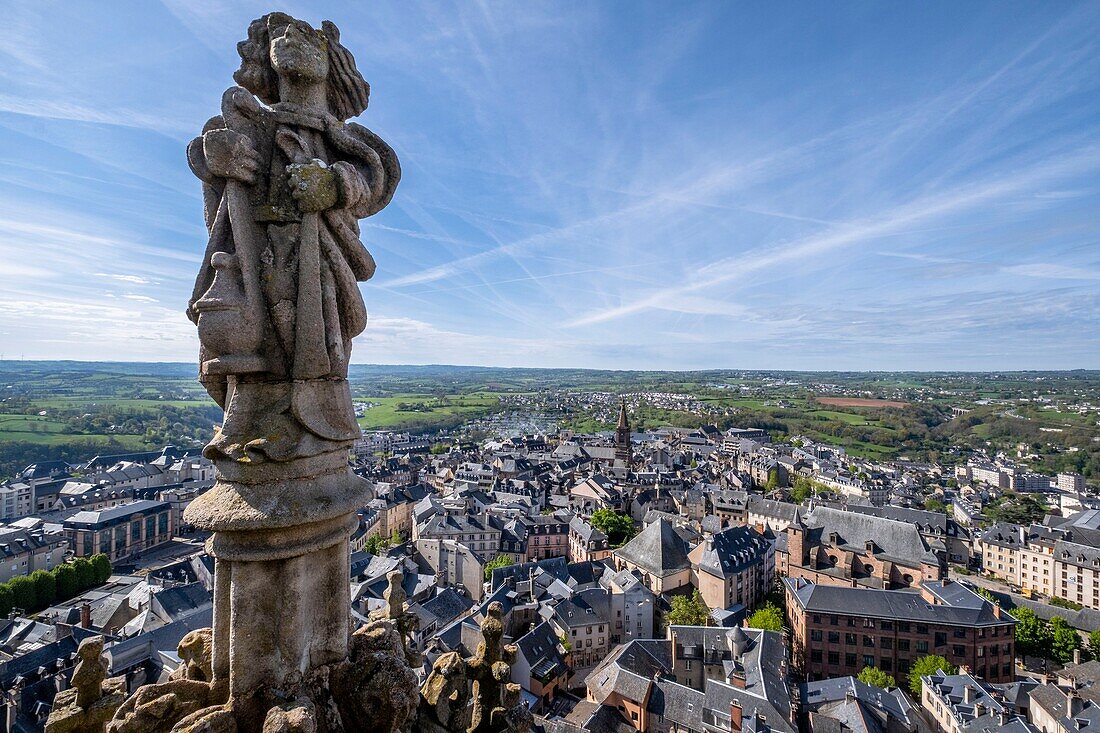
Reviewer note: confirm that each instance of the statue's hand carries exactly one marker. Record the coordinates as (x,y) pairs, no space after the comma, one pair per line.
(312,185)
(229,154)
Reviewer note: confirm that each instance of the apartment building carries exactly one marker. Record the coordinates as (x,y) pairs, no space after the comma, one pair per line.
(1043,560)
(120,531)
(733,567)
(838,631)
(22,551)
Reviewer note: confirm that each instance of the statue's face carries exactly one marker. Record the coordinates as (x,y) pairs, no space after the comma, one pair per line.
(300,54)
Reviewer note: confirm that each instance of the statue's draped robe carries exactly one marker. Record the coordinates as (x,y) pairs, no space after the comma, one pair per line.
(303,384)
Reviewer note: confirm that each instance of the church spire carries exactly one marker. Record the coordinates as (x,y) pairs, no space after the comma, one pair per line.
(622,434)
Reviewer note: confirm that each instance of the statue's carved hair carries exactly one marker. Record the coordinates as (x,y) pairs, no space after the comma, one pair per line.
(346,89)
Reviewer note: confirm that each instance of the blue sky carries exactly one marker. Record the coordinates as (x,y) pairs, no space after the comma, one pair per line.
(597,184)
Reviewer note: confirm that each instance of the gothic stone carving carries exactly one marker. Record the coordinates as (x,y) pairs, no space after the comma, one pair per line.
(93,699)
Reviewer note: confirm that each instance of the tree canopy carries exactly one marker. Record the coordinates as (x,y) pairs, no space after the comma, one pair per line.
(689,610)
(1064,640)
(767,617)
(878,678)
(1033,634)
(500,561)
(925,666)
(619,528)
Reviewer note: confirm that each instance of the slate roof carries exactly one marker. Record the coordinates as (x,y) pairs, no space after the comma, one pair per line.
(822,692)
(897,541)
(658,549)
(541,648)
(587,607)
(447,605)
(902,605)
(629,668)
(731,551)
(114,515)
(558,567)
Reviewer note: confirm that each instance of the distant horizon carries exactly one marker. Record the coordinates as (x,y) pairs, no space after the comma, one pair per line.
(138,362)
(846,187)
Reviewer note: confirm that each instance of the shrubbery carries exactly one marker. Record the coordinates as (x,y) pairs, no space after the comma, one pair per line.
(43,588)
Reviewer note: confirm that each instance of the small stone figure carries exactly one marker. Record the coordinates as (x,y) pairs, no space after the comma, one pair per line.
(496,708)
(395,611)
(93,699)
(489,668)
(445,697)
(187,702)
(90,672)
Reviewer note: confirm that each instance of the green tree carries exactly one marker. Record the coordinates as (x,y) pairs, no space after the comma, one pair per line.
(67,585)
(767,617)
(375,544)
(773,480)
(23,593)
(619,528)
(395,538)
(688,610)
(1094,645)
(1033,635)
(935,505)
(85,573)
(45,588)
(500,561)
(7,600)
(925,666)
(1064,639)
(878,678)
(986,594)
(101,565)
(801,491)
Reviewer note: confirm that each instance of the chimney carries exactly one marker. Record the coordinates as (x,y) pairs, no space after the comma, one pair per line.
(85,616)
(1074,704)
(968,694)
(979,710)
(1003,718)
(1077,656)
(735,716)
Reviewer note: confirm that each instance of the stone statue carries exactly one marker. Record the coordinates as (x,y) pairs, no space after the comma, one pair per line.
(285,180)
(93,699)
(489,668)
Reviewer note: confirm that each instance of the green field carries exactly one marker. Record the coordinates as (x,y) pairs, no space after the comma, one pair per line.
(92,406)
(425,410)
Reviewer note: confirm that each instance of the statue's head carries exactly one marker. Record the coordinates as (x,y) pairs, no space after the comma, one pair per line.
(279,45)
(90,649)
(300,52)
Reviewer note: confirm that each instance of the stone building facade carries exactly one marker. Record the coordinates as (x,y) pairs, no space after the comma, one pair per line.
(838,631)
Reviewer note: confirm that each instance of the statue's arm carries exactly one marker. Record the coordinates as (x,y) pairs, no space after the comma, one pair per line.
(367,172)
(212,185)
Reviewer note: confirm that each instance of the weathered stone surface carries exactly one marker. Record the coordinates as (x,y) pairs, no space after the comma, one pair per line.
(496,707)
(276,302)
(285,180)
(93,699)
